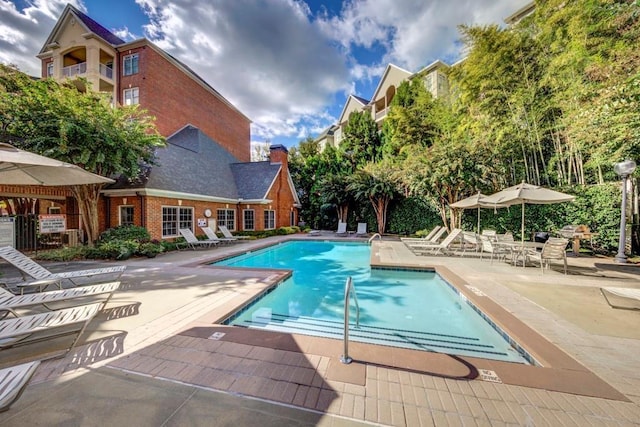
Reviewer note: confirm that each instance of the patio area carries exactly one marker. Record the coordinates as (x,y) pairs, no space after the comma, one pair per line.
(157,356)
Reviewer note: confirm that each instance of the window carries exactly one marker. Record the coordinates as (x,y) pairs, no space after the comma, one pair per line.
(50,69)
(269,220)
(54,210)
(292,218)
(130,64)
(227,217)
(131,96)
(249,219)
(126,215)
(173,218)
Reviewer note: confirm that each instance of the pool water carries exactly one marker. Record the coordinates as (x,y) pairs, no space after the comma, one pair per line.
(410,309)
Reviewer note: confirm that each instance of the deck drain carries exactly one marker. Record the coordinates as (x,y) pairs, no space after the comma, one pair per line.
(490,376)
(217,335)
(475,290)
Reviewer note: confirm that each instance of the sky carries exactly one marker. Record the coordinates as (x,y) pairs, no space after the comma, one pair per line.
(288,65)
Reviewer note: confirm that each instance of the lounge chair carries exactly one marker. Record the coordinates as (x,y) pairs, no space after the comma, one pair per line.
(211,235)
(342,229)
(362,229)
(434,249)
(433,236)
(627,293)
(470,242)
(9,302)
(43,326)
(13,381)
(554,248)
(44,277)
(191,241)
(226,233)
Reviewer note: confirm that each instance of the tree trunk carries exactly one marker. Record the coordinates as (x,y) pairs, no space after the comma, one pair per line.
(87,198)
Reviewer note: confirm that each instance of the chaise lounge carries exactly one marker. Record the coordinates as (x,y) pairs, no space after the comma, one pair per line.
(13,381)
(44,277)
(191,241)
(211,235)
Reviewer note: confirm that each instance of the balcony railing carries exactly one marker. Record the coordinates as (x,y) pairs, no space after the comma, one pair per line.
(106,71)
(74,70)
(380,114)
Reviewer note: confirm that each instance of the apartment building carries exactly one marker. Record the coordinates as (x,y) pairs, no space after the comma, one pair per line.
(204,175)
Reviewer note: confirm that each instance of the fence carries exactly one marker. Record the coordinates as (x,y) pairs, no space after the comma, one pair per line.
(29,238)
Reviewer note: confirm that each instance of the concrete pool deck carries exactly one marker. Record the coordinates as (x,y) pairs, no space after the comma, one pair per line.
(155,357)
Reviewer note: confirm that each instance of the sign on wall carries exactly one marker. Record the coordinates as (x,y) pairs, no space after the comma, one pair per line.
(53,223)
(7,231)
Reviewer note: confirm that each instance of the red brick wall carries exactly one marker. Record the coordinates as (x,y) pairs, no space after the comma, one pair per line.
(177,100)
(283,200)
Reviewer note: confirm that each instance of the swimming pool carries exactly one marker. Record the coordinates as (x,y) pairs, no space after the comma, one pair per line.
(410,309)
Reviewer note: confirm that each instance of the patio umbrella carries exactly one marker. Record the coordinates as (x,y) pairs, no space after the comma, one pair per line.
(19,167)
(524,193)
(476,201)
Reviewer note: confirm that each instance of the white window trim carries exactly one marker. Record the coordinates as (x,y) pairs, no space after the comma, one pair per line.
(274,219)
(124,60)
(167,236)
(244,226)
(235,220)
(120,212)
(131,89)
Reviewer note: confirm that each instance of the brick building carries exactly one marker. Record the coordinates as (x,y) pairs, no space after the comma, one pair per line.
(204,174)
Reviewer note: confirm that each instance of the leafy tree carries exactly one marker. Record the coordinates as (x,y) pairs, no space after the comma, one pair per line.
(58,121)
(361,140)
(375,183)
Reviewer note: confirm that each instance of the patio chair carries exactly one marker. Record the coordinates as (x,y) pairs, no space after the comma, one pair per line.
(211,235)
(362,229)
(226,233)
(13,381)
(445,247)
(491,234)
(433,236)
(342,229)
(10,302)
(44,326)
(191,241)
(44,277)
(470,242)
(554,248)
(489,246)
(626,293)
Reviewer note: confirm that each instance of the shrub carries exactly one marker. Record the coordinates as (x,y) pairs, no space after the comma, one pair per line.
(125,232)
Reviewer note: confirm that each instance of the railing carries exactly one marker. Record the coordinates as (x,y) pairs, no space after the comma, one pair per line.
(74,70)
(27,236)
(380,114)
(348,288)
(374,236)
(106,71)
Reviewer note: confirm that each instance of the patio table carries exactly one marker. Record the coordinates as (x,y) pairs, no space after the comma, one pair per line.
(520,249)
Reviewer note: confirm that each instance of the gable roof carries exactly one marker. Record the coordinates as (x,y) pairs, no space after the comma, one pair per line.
(90,25)
(390,68)
(354,103)
(192,165)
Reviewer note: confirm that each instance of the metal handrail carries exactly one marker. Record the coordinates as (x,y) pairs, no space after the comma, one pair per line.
(348,288)
(378,235)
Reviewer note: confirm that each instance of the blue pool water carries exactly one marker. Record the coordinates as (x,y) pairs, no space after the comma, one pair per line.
(411,309)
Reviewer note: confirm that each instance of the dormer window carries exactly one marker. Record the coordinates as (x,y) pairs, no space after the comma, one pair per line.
(130,64)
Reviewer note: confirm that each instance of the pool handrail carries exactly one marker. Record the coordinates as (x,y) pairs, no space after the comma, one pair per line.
(348,288)
(378,235)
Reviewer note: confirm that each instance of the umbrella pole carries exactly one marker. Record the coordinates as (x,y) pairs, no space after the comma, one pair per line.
(522,223)
(478,219)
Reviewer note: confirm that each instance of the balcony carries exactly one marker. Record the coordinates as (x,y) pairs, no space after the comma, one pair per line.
(381,114)
(75,70)
(106,71)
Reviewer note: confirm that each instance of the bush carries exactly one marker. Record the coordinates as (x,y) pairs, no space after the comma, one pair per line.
(125,232)
(411,214)
(114,249)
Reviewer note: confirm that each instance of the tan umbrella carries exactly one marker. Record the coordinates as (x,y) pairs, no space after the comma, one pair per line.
(19,167)
(524,193)
(476,201)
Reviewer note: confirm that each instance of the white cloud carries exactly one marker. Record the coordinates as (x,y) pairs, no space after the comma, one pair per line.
(282,66)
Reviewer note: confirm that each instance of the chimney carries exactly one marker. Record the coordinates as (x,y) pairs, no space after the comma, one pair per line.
(278,153)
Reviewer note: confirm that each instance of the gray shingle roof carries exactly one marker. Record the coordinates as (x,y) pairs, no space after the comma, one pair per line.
(254,179)
(97,29)
(193,163)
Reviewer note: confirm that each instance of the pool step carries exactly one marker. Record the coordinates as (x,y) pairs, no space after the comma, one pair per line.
(371,334)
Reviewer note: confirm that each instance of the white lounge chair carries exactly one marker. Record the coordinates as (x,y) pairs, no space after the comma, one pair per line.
(626,293)
(43,326)
(44,277)
(9,302)
(342,229)
(433,236)
(490,246)
(211,235)
(226,233)
(191,241)
(362,229)
(434,249)
(13,381)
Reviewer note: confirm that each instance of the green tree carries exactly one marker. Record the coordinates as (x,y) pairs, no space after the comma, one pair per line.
(375,183)
(361,141)
(58,121)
